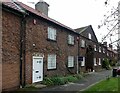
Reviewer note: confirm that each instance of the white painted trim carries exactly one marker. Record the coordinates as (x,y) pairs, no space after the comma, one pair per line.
(36,57)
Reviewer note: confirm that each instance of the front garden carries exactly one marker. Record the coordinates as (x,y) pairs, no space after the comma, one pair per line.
(54,81)
(60,80)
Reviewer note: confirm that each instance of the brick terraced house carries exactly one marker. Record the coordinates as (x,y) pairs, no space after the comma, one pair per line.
(93,52)
(35,46)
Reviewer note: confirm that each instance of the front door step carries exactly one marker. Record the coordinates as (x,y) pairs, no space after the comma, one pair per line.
(36,85)
(39,86)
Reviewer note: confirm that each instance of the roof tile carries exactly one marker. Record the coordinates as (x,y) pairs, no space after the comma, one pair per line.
(13,5)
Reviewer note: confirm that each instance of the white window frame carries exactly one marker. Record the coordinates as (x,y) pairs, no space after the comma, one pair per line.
(70,61)
(71,39)
(89,36)
(95,61)
(51,61)
(99,60)
(103,50)
(51,33)
(83,62)
(99,49)
(82,43)
(107,53)
(95,48)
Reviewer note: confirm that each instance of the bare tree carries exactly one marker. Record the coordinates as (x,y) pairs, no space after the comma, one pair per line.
(112,22)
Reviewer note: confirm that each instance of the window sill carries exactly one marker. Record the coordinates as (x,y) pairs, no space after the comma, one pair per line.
(83,47)
(71,44)
(71,67)
(82,66)
(51,40)
(51,69)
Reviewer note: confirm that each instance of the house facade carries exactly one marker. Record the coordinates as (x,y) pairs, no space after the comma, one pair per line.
(34,46)
(93,52)
(89,49)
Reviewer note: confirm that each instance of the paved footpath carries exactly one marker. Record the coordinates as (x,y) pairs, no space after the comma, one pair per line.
(90,79)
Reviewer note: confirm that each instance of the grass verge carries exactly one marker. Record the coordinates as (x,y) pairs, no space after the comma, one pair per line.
(108,85)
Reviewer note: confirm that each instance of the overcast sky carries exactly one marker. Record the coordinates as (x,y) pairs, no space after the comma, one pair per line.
(79,13)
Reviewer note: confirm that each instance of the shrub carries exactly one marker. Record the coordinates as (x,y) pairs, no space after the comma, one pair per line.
(78,76)
(58,80)
(48,82)
(106,64)
(71,78)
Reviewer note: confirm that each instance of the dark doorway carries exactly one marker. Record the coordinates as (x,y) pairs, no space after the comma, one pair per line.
(89,58)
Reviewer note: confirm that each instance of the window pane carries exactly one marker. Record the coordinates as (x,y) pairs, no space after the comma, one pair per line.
(70,39)
(83,62)
(95,64)
(51,61)
(71,61)
(82,43)
(99,61)
(89,36)
(95,48)
(51,33)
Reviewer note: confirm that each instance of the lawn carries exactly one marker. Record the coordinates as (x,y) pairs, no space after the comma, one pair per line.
(110,84)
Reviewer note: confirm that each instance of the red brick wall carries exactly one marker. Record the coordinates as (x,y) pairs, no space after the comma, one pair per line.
(96,53)
(37,34)
(10,49)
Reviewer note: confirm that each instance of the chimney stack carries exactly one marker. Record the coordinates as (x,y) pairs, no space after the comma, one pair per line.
(105,44)
(110,46)
(42,6)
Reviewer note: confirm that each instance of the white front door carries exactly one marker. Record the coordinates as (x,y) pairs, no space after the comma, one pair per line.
(37,69)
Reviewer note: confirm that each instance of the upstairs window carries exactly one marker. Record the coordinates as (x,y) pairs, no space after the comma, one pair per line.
(71,39)
(70,61)
(103,50)
(82,43)
(99,49)
(51,33)
(52,61)
(95,48)
(107,54)
(89,36)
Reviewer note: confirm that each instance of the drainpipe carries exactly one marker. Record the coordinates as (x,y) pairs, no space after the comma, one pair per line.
(22,52)
(78,54)
(21,30)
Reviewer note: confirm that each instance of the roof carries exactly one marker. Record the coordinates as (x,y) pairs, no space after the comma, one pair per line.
(19,6)
(82,29)
(11,4)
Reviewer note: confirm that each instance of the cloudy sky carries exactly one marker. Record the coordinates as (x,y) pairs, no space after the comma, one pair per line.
(79,13)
